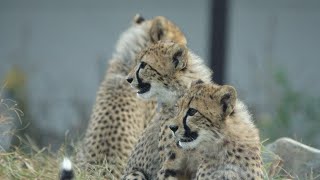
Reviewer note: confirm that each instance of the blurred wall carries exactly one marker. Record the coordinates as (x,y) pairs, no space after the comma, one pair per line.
(63,46)
(269,40)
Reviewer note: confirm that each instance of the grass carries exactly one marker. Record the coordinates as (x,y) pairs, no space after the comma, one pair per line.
(273,165)
(43,164)
(39,163)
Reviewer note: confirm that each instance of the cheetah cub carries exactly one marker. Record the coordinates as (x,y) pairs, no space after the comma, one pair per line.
(217,128)
(165,71)
(118,117)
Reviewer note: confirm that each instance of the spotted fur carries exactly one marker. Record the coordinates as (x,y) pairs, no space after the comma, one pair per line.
(215,130)
(163,71)
(118,116)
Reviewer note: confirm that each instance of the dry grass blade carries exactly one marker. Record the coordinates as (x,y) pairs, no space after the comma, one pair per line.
(275,167)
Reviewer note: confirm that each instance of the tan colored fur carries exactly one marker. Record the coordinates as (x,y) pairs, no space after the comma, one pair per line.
(224,143)
(118,116)
(169,68)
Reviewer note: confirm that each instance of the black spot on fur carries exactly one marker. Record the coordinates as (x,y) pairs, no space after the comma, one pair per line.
(172,155)
(170,172)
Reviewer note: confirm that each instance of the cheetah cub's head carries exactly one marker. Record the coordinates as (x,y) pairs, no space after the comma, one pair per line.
(161,28)
(202,113)
(158,71)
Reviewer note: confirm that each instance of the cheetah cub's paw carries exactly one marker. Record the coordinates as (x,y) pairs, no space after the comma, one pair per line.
(134,176)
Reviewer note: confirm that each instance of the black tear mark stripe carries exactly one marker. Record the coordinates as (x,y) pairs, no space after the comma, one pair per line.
(142,65)
(185,126)
(188,133)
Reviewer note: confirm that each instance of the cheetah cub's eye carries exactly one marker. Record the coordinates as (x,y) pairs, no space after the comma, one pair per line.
(143,64)
(191,111)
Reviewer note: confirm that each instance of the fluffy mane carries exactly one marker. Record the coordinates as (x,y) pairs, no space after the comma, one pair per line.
(241,123)
(197,69)
(241,111)
(130,43)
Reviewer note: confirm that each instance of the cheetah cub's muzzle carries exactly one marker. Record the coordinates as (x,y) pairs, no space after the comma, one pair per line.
(185,137)
(137,82)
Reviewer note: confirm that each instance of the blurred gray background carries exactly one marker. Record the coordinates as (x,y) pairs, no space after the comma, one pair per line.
(53,55)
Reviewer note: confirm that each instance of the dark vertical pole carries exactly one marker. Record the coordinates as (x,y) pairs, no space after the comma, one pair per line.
(219,22)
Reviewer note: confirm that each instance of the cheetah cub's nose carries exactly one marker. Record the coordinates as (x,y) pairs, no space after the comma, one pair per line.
(129,80)
(173,128)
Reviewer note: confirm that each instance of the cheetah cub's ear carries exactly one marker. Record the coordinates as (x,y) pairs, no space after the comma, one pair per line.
(227,98)
(165,30)
(179,55)
(138,19)
(157,30)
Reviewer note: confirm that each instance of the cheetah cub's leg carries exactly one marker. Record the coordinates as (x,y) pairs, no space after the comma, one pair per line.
(136,175)
(204,174)
(170,169)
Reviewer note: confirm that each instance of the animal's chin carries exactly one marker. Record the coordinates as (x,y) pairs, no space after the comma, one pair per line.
(143,88)
(189,142)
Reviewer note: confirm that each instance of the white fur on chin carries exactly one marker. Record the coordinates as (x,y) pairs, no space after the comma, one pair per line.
(147,95)
(195,143)
(188,145)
